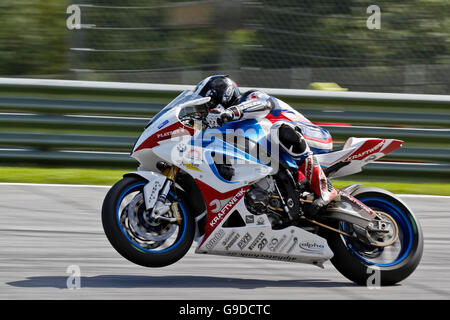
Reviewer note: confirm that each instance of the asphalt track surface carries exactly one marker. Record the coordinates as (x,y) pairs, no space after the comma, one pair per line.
(46,229)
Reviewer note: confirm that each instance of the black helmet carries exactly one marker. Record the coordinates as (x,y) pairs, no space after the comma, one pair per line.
(220,88)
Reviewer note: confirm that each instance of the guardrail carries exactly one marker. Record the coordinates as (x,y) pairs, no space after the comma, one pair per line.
(83,123)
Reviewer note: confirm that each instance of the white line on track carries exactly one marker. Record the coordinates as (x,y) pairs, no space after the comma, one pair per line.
(422,196)
(54,185)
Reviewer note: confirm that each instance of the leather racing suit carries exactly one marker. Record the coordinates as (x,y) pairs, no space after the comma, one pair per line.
(296,135)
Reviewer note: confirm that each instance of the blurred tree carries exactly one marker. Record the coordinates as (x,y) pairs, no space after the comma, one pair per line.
(157,40)
(145,36)
(334,33)
(33,37)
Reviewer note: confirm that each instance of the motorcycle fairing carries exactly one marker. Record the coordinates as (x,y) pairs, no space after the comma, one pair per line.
(198,161)
(291,244)
(257,239)
(169,140)
(356,153)
(224,198)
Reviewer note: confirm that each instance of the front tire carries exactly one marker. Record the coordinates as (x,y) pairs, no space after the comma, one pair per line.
(150,253)
(359,262)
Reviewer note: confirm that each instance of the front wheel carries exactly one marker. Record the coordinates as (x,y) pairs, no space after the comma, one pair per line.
(135,235)
(365,264)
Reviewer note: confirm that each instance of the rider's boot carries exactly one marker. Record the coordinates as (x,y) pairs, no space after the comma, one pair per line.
(292,141)
(318,183)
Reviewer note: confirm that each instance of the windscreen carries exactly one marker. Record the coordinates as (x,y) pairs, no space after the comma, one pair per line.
(187,99)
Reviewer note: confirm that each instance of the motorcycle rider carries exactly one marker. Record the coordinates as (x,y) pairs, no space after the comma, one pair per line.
(295,134)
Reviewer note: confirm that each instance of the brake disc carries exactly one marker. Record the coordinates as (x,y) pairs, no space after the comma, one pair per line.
(141,230)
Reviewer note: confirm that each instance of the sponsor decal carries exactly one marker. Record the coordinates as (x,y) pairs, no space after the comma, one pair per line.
(154,192)
(309,169)
(194,155)
(163,124)
(274,243)
(262,244)
(230,204)
(361,155)
(262,256)
(294,243)
(217,204)
(315,162)
(215,239)
(228,238)
(286,243)
(181,147)
(244,241)
(256,241)
(356,202)
(227,94)
(311,246)
(233,241)
(260,221)
(283,238)
(171,131)
(192,167)
(250,219)
(191,159)
(323,182)
(163,135)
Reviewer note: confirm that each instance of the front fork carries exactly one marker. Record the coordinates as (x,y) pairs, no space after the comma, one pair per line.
(161,208)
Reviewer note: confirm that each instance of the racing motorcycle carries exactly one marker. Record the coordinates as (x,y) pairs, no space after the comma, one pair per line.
(211,186)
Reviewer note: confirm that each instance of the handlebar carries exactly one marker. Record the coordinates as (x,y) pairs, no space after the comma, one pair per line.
(224,118)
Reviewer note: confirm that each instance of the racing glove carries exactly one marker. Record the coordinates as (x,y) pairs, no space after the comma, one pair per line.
(218,116)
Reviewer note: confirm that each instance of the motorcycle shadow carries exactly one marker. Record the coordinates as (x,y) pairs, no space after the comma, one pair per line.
(130,281)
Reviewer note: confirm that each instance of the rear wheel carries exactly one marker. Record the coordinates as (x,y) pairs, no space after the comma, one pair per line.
(366,264)
(139,238)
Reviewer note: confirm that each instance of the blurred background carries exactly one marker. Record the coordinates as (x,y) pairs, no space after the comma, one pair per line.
(264,43)
(305,44)
(80,128)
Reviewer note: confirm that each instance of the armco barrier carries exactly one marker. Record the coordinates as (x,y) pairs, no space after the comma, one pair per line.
(85,123)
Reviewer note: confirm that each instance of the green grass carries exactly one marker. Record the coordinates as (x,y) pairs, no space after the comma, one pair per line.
(61,175)
(110,176)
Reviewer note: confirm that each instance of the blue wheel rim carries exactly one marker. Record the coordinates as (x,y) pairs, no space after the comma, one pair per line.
(404,224)
(134,244)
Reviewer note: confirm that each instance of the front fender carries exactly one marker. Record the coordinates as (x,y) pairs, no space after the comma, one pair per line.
(155,181)
(193,198)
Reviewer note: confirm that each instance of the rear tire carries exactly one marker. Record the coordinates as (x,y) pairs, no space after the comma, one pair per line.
(359,268)
(131,250)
